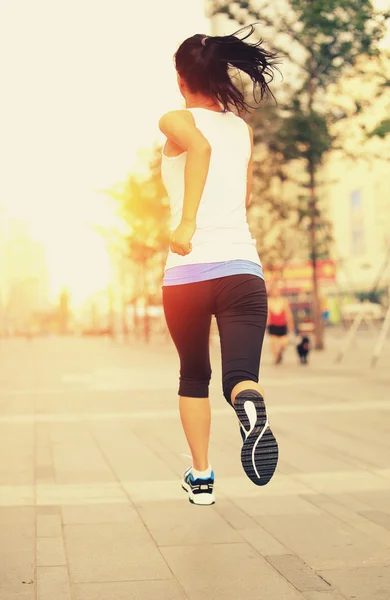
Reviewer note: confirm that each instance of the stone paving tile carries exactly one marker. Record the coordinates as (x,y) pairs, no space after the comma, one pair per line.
(324,596)
(43,456)
(16,566)
(73,465)
(52,583)
(298,573)
(358,481)
(181,523)
(119,444)
(129,590)
(377,516)
(376,500)
(348,501)
(80,494)
(142,492)
(241,488)
(383,472)
(99,513)
(362,582)
(113,552)
(17,544)
(233,514)
(48,509)
(267,504)
(23,592)
(45,474)
(318,458)
(228,571)
(359,521)
(50,552)
(263,542)
(329,437)
(15,494)
(323,541)
(49,526)
(16,524)
(16,475)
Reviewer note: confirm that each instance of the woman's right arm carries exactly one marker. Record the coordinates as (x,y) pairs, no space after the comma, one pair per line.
(179,126)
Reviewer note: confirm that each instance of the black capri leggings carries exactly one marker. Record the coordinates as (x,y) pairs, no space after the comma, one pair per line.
(239,303)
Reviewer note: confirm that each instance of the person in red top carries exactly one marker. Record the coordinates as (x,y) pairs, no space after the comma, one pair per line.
(280,321)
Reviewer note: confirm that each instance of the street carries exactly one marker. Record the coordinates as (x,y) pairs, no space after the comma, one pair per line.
(91,455)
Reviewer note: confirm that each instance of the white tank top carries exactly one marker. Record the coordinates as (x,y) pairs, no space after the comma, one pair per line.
(222,232)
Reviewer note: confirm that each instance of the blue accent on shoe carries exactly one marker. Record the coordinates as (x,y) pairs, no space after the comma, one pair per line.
(212,476)
(200,490)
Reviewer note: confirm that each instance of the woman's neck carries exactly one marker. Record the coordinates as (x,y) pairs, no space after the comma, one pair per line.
(203,102)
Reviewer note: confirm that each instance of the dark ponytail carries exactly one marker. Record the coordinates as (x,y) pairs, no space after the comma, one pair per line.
(204,62)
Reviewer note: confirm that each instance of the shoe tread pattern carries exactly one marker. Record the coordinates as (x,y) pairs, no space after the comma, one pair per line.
(266,453)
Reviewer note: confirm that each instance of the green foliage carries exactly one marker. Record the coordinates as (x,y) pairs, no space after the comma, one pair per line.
(304,134)
(335,33)
(324,40)
(144,207)
(381,130)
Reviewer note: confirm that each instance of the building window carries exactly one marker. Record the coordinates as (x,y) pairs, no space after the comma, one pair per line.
(357,223)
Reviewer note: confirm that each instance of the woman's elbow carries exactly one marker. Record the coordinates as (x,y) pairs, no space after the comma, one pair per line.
(206,148)
(202,148)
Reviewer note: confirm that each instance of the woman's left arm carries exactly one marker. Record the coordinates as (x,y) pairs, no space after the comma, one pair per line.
(179,126)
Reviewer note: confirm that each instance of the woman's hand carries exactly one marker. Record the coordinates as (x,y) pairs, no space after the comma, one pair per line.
(181,238)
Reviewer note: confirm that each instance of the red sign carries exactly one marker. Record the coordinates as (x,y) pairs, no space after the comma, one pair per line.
(326,269)
(299,274)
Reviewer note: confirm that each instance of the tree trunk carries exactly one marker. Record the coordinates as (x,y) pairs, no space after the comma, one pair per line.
(316,303)
(111,312)
(145,293)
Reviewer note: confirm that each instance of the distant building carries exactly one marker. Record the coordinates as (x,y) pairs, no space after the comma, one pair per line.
(358,202)
(25,276)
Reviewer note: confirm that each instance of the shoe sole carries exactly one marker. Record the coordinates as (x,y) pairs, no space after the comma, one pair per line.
(259,454)
(201,499)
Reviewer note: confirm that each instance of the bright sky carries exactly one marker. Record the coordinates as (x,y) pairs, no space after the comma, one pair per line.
(83,83)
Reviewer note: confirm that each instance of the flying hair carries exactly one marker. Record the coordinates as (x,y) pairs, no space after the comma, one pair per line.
(205,63)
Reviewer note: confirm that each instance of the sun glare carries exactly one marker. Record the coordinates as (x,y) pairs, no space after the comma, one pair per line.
(84,85)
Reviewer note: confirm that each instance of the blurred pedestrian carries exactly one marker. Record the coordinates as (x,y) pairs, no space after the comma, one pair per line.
(213,267)
(280,321)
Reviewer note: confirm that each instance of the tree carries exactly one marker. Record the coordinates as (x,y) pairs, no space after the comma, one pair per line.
(144,208)
(381,130)
(322,40)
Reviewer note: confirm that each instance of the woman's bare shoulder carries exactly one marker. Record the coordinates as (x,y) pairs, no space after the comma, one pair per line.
(174,116)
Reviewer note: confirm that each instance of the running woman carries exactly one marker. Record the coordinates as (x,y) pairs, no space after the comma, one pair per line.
(213,267)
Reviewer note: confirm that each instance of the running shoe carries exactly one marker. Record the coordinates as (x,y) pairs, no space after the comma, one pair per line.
(259,454)
(200,491)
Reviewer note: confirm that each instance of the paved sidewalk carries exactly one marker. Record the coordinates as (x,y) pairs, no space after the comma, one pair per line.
(91,506)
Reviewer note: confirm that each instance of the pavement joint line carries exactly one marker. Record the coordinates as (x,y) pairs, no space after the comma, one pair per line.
(337,453)
(111,387)
(35,551)
(147,491)
(173,414)
(350,523)
(133,504)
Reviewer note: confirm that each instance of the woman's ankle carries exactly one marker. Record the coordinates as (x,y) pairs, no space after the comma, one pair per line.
(202,473)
